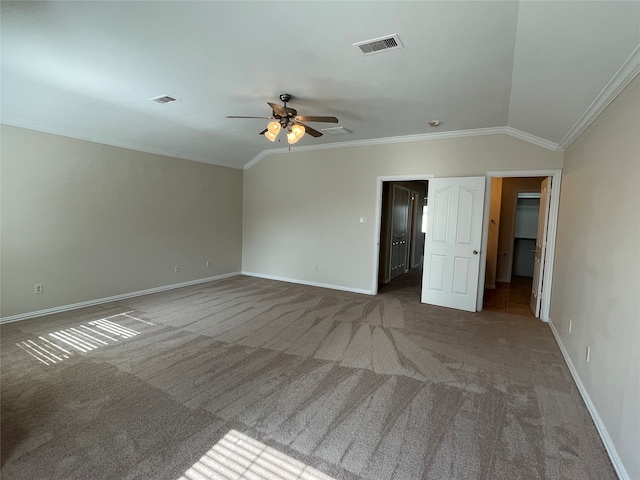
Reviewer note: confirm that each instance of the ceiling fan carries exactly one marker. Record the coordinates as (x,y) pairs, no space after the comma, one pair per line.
(287,118)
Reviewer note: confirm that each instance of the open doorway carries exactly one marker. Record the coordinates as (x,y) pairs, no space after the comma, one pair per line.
(401,237)
(513,225)
(520,239)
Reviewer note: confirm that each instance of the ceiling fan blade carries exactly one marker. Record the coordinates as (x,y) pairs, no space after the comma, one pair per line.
(311,131)
(263,131)
(304,118)
(235,116)
(278,109)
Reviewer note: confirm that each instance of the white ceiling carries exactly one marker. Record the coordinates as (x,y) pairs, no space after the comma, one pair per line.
(87,69)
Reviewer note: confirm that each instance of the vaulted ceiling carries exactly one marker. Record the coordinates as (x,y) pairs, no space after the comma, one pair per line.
(88,69)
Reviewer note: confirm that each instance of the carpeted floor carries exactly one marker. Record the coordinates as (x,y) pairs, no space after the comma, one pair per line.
(356,387)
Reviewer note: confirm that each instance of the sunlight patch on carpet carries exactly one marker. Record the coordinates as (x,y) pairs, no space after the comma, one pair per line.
(239,457)
(60,345)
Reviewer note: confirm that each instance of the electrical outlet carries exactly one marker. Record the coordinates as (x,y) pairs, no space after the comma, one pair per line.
(208,263)
(37,288)
(177,268)
(570,325)
(588,354)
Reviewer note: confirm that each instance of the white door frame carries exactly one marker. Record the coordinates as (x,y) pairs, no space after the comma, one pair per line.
(376,241)
(554,206)
(541,242)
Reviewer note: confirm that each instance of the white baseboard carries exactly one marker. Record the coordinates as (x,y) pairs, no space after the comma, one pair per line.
(602,430)
(65,308)
(311,284)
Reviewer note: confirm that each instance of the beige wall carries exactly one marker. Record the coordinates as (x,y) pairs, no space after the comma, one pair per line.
(302,209)
(90,221)
(596,280)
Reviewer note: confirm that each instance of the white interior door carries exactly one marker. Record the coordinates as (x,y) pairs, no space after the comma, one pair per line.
(452,244)
(541,246)
(400,214)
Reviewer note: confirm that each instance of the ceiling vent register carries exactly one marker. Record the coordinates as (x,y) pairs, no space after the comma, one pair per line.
(336,131)
(378,45)
(164,99)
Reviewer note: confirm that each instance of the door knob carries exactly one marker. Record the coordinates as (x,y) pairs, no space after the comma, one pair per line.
(475,252)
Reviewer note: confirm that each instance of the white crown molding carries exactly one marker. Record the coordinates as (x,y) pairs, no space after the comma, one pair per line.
(527,137)
(476,132)
(602,430)
(311,284)
(260,156)
(110,141)
(98,301)
(305,148)
(627,72)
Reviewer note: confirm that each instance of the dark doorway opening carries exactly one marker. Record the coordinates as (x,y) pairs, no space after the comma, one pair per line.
(402,235)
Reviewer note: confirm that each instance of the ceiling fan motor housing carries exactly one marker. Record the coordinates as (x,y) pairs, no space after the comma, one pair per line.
(286,120)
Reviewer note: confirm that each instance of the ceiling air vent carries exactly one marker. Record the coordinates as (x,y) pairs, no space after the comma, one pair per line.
(164,99)
(336,131)
(377,45)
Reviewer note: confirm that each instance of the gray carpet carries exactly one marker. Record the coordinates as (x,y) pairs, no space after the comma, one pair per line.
(357,387)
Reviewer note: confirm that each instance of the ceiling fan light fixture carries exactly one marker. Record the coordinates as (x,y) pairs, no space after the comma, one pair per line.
(291,137)
(273,128)
(298,130)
